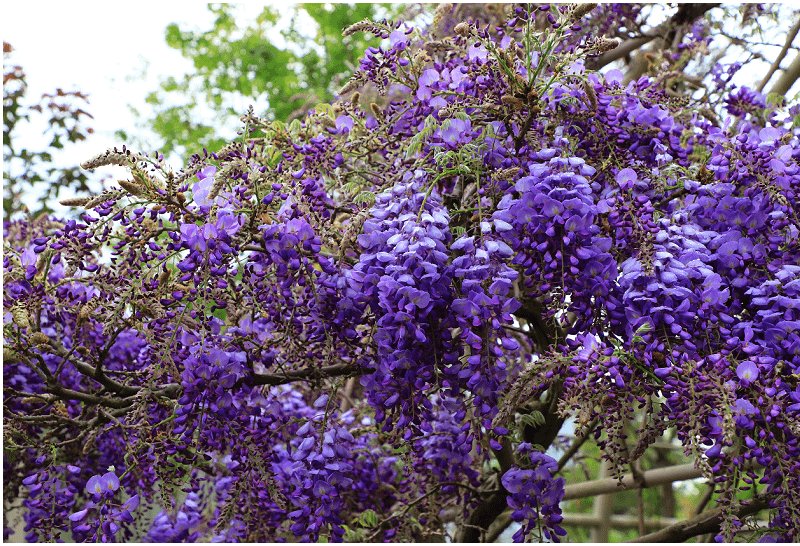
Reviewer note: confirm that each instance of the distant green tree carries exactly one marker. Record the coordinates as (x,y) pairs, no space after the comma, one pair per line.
(32,172)
(236,64)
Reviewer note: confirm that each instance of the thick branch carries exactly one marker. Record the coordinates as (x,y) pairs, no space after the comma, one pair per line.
(686,14)
(775,65)
(308,373)
(623,50)
(707,522)
(482,517)
(91,399)
(545,434)
(788,78)
(649,478)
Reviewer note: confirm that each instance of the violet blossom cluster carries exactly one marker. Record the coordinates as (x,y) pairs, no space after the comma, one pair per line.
(534,495)
(335,318)
(403,278)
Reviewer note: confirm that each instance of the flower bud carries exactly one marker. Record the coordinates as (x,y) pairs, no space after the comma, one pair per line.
(38,338)
(74,201)
(590,95)
(583,9)
(366,24)
(131,187)
(463,29)
(513,102)
(377,111)
(21,317)
(10,356)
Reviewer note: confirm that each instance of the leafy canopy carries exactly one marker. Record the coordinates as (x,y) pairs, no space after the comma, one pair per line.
(283,69)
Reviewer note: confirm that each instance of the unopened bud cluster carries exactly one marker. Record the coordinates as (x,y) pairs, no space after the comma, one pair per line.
(599,45)
(465,29)
(365,26)
(574,12)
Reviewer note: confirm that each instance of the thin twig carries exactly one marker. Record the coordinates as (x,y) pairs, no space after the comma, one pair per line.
(576,445)
(704,501)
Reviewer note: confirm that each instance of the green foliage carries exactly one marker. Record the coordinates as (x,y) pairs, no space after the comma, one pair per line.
(238,62)
(32,170)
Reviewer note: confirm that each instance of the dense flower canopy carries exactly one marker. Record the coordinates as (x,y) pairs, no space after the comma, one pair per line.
(337,327)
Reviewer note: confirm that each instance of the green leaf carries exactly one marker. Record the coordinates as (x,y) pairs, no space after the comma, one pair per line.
(533,419)
(364,197)
(369,518)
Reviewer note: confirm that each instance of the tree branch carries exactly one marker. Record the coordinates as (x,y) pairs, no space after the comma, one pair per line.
(648,478)
(482,517)
(336,370)
(576,445)
(788,78)
(775,65)
(686,14)
(708,522)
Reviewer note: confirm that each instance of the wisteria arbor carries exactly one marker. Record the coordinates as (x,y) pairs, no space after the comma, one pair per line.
(372,324)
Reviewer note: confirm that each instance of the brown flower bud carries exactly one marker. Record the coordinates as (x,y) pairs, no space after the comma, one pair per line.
(10,356)
(366,24)
(463,29)
(606,45)
(38,338)
(355,81)
(590,95)
(164,277)
(20,317)
(377,111)
(506,174)
(513,102)
(75,201)
(445,112)
(131,187)
(583,9)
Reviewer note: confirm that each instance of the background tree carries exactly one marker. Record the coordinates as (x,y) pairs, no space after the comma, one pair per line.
(26,170)
(383,320)
(239,62)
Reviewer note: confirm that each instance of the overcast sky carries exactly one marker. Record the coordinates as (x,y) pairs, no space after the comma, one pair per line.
(98,48)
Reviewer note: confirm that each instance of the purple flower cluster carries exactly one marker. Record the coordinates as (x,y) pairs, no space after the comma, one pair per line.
(307,361)
(552,229)
(535,495)
(745,101)
(46,489)
(446,447)
(207,380)
(101,518)
(183,526)
(485,306)
(403,278)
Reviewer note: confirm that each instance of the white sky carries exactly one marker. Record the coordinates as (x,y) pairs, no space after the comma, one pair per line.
(98,48)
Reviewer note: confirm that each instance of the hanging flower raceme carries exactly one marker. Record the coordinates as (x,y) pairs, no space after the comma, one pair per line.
(534,495)
(404,279)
